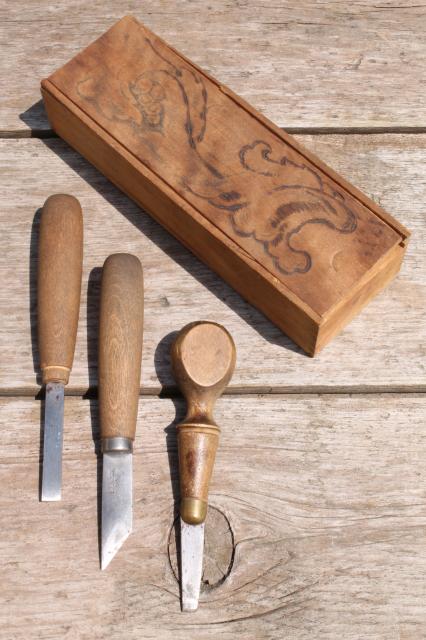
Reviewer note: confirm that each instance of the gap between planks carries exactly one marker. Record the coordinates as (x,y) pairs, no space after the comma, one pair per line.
(173,392)
(49,133)
(170,391)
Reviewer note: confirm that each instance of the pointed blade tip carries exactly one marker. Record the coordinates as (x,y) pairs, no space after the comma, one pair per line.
(108,552)
(117,520)
(105,562)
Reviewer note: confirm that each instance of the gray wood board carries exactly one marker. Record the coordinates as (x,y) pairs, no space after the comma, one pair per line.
(325,500)
(383,348)
(303,64)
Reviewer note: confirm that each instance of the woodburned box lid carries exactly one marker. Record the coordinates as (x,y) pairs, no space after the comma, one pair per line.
(316,238)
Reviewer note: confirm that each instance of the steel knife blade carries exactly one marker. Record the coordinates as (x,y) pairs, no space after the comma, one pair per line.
(116,503)
(203,359)
(60,262)
(120,353)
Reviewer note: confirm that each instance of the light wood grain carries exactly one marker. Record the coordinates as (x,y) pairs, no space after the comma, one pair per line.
(203,360)
(120,344)
(324,495)
(60,264)
(304,64)
(381,349)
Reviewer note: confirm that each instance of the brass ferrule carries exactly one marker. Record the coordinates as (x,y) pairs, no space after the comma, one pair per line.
(193,510)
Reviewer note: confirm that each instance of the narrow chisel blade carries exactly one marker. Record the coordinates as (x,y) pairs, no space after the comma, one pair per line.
(116,503)
(52,442)
(192,548)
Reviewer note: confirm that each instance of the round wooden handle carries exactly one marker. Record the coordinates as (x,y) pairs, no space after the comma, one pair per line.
(203,360)
(60,262)
(120,345)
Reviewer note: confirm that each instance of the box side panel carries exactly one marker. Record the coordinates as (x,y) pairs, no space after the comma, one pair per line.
(103,152)
(353,305)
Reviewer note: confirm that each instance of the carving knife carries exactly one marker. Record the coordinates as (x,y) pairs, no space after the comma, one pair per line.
(60,261)
(120,354)
(203,360)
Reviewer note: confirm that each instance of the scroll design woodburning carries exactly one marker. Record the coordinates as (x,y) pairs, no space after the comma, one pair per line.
(270,198)
(301,198)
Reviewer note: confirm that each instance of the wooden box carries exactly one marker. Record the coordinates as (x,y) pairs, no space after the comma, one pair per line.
(288,233)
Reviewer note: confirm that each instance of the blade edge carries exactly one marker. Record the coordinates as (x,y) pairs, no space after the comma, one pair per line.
(116,504)
(192,550)
(51,482)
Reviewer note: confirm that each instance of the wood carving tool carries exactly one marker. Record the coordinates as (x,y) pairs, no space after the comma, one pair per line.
(203,360)
(60,264)
(120,354)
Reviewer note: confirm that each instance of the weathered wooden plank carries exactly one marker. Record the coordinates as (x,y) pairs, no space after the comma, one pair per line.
(382,348)
(325,500)
(304,64)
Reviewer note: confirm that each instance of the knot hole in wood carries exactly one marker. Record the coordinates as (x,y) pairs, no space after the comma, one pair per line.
(218,549)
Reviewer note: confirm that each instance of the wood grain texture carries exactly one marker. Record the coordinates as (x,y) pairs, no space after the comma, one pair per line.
(365,69)
(203,361)
(381,349)
(285,231)
(326,502)
(120,344)
(60,265)
(324,495)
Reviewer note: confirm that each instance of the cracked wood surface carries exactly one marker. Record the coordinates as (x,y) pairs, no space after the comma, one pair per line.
(304,64)
(324,494)
(387,338)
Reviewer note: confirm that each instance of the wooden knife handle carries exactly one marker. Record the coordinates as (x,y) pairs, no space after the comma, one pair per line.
(60,262)
(203,360)
(120,345)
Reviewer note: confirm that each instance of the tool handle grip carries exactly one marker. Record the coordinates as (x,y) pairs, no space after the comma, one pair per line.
(120,345)
(60,262)
(203,360)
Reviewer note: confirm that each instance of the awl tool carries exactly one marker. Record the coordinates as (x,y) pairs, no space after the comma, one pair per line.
(60,260)
(203,359)
(120,354)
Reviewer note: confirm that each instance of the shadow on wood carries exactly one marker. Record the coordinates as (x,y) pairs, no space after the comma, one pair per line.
(40,396)
(162,356)
(93,293)
(32,266)
(162,365)
(36,114)
(174,249)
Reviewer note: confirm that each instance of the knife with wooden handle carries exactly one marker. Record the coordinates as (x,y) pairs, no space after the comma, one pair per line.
(203,360)
(120,354)
(60,262)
